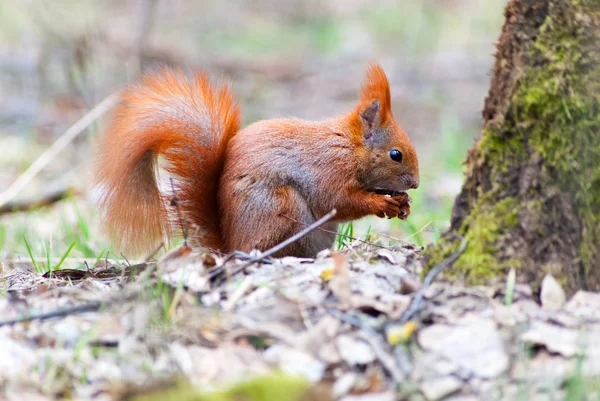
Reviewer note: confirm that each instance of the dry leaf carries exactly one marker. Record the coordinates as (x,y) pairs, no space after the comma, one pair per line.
(294,362)
(354,351)
(585,305)
(177,253)
(190,275)
(343,385)
(552,295)
(209,260)
(340,283)
(561,340)
(409,286)
(476,347)
(395,258)
(436,389)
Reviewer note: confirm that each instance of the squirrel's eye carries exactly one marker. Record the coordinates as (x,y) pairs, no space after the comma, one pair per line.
(396,155)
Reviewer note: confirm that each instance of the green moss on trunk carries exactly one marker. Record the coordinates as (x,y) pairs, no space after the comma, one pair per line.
(531,199)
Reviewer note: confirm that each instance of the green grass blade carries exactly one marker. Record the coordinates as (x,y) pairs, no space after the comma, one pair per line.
(35,265)
(48,252)
(81,223)
(340,239)
(510,287)
(82,234)
(100,257)
(350,229)
(2,237)
(346,230)
(64,256)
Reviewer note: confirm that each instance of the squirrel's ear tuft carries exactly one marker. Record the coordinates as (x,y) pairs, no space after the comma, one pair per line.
(376,88)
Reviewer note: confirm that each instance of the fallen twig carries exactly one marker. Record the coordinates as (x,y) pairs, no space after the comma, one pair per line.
(156,251)
(35,203)
(414,305)
(91,306)
(237,294)
(69,310)
(243,256)
(353,320)
(314,226)
(56,147)
(381,351)
(370,335)
(337,234)
(216,272)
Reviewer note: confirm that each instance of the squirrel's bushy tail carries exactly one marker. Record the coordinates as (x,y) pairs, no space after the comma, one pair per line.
(189,123)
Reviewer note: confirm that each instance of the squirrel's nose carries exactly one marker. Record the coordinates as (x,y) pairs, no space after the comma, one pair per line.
(410,181)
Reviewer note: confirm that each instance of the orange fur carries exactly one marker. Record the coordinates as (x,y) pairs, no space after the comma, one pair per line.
(376,87)
(190,123)
(252,188)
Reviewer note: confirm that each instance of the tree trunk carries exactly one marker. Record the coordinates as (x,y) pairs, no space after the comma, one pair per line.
(531,199)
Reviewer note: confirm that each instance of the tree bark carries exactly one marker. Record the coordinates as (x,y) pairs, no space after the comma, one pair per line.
(531,199)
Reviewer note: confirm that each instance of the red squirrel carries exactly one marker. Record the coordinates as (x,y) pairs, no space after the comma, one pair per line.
(250,188)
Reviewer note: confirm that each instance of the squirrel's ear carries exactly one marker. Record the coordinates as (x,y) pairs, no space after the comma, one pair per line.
(375,89)
(370,115)
(371,119)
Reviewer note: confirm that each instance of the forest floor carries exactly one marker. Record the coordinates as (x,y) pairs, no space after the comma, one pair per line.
(356,325)
(338,327)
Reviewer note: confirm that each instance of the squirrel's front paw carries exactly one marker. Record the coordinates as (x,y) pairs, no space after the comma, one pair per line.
(387,207)
(394,206)
(404,202)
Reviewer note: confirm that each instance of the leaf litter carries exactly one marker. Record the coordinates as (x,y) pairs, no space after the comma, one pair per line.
(122,332)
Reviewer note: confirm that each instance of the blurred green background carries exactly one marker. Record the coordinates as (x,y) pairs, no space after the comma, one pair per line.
(284,58)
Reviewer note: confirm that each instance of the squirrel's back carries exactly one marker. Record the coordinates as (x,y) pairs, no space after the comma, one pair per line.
(189,123)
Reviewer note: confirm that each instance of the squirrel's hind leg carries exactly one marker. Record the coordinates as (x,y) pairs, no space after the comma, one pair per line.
(265,221)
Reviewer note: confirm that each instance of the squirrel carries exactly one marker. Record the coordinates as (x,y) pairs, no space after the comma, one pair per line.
(251,188)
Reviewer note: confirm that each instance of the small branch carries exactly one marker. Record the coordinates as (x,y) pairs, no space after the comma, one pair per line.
(385,356)
(420,231)
(70,310)
(35,203)
(352,319)
(243,256)
(314,226)
(237,294)
(414,305)
(123,256)
(153,254)
(370,335)
(405,240)
(344,235)
(61,143)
